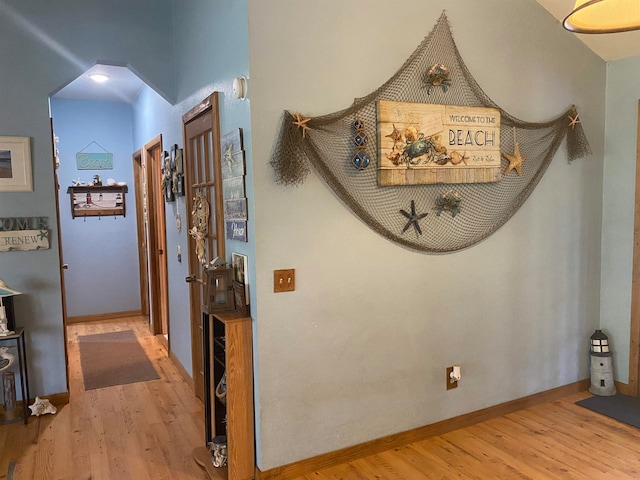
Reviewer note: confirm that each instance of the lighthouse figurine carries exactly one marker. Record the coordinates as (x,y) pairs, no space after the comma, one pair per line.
(601,366)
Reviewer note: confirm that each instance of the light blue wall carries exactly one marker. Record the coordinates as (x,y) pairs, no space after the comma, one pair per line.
(202,67)
(102,253)
(359,350)
(154,116)
(623,92)
(45,45)
(334,358)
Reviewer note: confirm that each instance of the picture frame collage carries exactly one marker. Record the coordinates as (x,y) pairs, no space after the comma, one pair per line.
(173,174)
(233,186)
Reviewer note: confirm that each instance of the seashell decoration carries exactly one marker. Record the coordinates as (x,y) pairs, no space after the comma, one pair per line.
(42,406)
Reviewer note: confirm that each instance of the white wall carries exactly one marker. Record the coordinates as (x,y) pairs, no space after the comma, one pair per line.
(360,349)
(623,92)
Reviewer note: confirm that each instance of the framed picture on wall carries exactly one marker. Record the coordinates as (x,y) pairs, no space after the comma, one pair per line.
(240,272)
(15,164)
(242,305)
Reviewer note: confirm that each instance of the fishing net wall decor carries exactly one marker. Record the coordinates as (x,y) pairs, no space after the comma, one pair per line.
(434,218)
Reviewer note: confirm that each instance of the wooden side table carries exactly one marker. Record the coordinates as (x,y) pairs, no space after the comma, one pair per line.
(18,338)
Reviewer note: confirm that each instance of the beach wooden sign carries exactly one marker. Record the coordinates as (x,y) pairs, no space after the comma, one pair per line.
(430,144)
(24,240)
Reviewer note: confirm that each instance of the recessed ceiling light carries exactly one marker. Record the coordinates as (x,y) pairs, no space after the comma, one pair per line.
(98,77)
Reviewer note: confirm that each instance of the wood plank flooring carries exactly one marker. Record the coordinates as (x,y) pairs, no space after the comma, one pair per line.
(554,440)
(148,430)
(141,431)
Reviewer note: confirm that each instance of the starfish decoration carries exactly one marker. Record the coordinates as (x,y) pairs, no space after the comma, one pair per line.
(78,183)
(43,234)
(396,136)
(515,161)
(413,218)
(228,153)
(301,122)
(574,120)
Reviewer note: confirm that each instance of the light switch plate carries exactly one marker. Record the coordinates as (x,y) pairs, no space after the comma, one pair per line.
(284,280)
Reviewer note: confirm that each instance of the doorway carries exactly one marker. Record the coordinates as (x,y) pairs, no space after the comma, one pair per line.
(153,199)
(140,185)
(104,279)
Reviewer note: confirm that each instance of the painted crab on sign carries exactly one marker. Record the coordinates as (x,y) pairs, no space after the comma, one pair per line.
(414,148)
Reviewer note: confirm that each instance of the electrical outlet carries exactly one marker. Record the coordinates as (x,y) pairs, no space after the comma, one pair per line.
(284,280)
(451,383)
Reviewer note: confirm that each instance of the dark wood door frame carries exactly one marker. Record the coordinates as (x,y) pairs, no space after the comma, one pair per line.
(63,266)
(141,226)
(158,281)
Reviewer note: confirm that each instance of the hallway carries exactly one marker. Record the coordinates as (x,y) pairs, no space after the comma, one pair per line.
(141,430)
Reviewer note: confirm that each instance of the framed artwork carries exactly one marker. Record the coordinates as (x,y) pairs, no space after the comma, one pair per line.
(421,143)
(235,209)
(167,178)
(240,272)
(15,164)
(239,292)
(236,230)
(99,201)
(239,263)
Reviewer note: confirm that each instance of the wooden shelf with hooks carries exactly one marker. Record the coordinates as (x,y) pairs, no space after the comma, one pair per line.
(98,201)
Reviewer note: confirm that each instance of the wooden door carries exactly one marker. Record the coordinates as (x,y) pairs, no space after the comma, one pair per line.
(139,179)
(158,281)
(201,133)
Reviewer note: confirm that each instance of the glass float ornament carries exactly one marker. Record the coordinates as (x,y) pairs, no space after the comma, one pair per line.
(360,159)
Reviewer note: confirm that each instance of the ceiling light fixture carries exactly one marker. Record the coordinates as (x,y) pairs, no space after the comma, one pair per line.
(98,77)
(603,16)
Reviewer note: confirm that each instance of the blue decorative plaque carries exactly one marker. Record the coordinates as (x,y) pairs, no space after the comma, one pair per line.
(94,161)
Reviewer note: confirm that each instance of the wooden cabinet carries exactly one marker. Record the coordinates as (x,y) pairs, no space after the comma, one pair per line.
(227,347)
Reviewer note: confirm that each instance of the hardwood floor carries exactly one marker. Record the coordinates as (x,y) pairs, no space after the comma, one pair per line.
(554,440)
(142,430)
(148,430)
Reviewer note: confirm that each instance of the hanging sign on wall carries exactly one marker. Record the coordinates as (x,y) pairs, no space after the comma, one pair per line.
(94,161)
(426,144)
(233,186)
(24,233)
(24,240)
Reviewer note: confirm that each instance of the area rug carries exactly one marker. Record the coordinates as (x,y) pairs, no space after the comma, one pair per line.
(114,358)
(620,407)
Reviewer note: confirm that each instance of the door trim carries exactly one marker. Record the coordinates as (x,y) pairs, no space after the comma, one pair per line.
(634,334)
(141,201)
(63,267)
(159,303)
